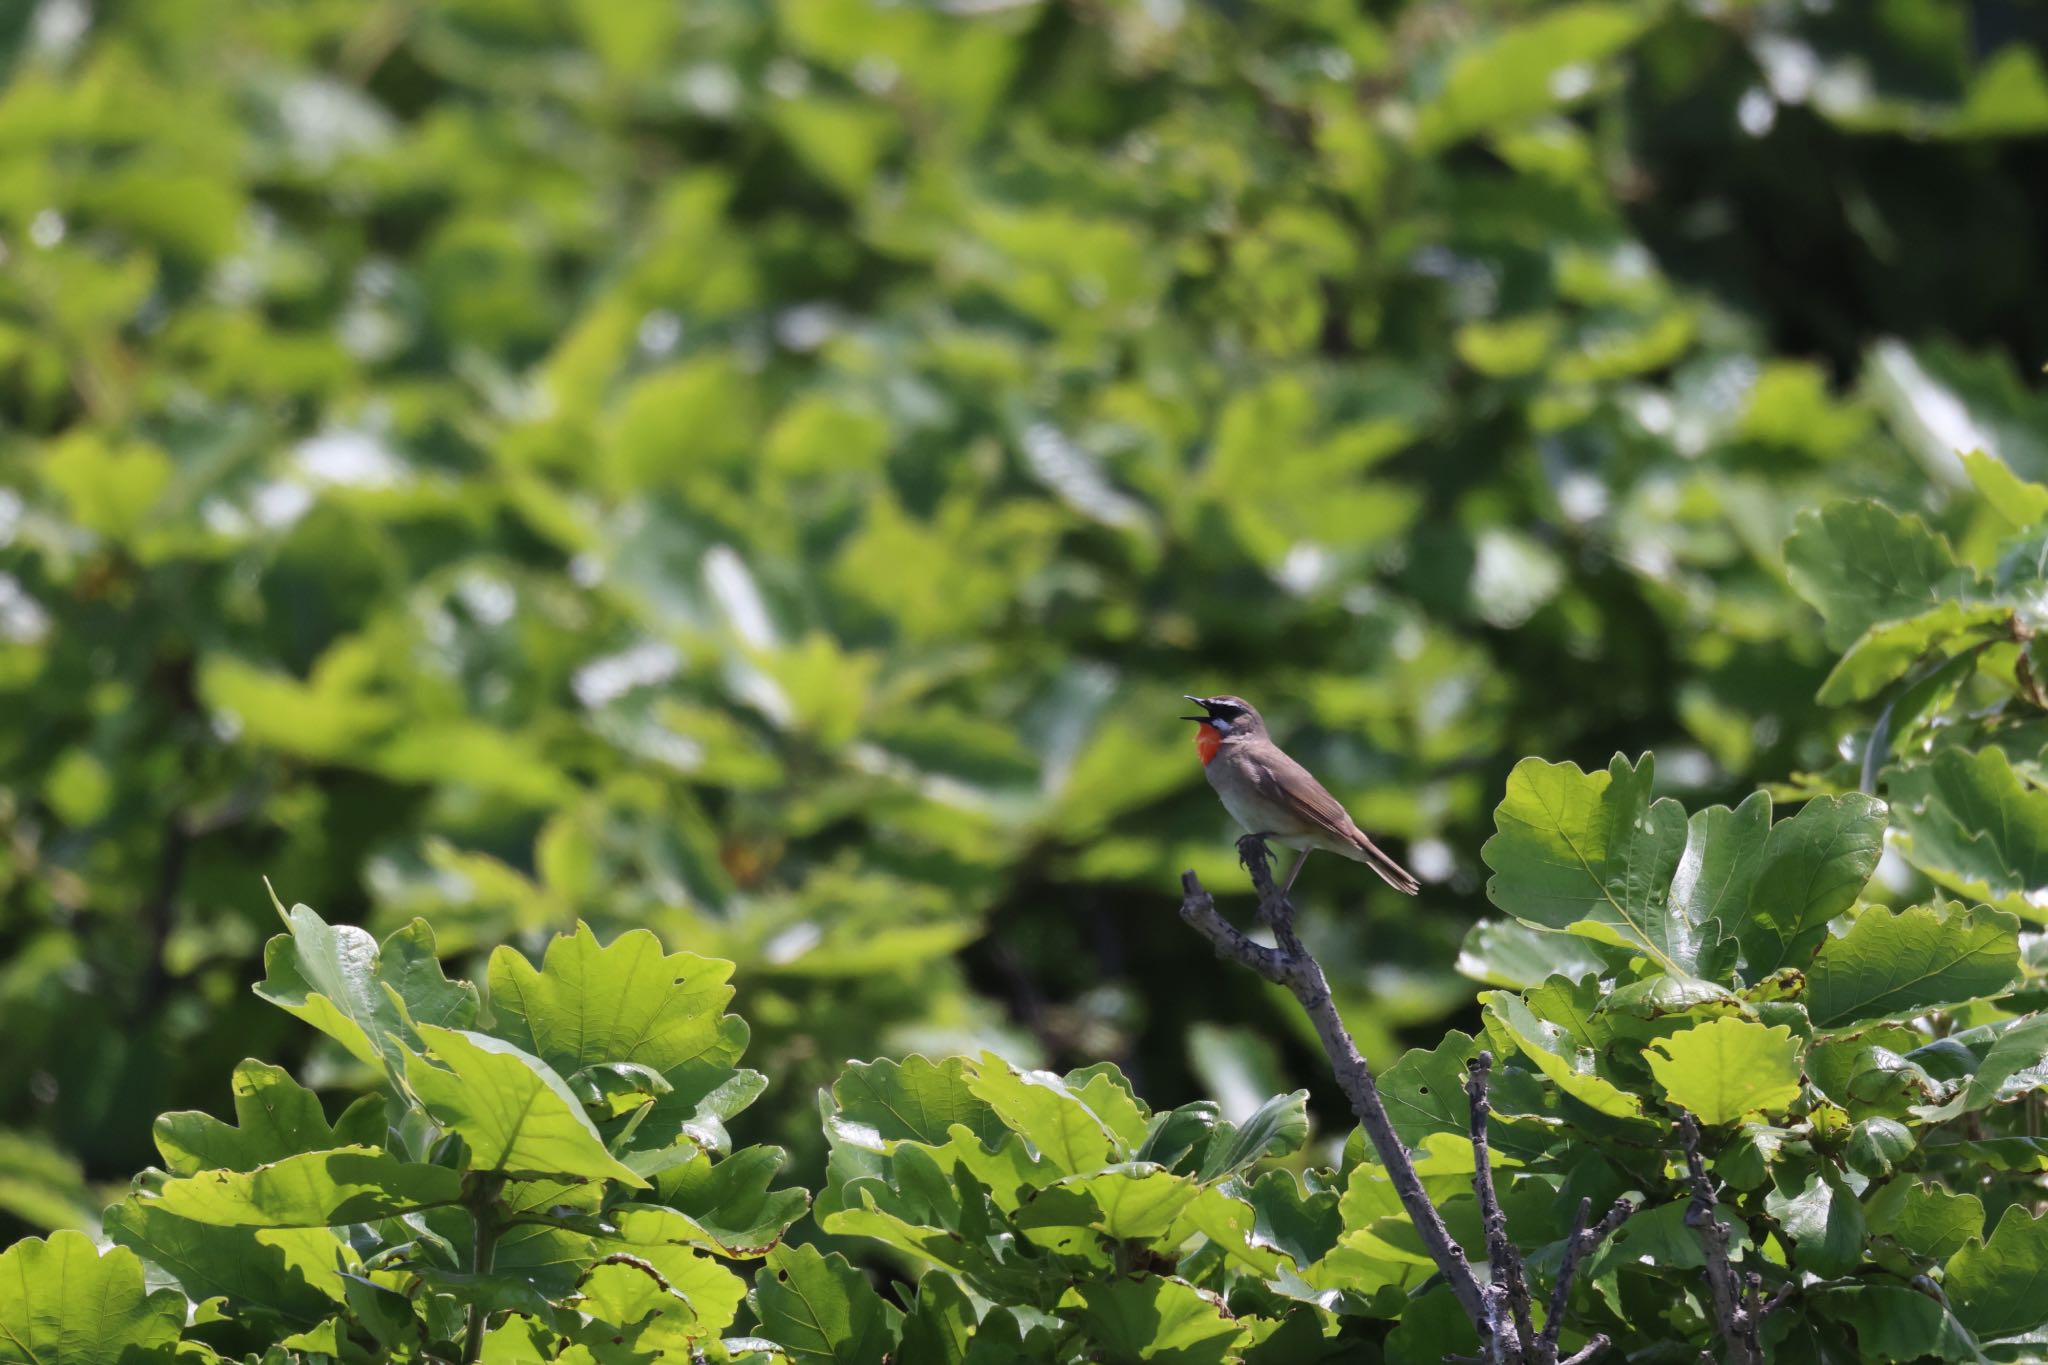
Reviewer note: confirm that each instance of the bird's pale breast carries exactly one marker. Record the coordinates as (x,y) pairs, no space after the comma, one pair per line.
(1255,813)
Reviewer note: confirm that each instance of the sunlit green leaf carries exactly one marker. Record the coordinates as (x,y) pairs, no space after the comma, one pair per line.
(626,1001)
(1592,852)
(1038,1106)
(364,995)
(1725,1068)
(818,1308)
(313,1189)
(516,1114)
(64,1303)
(277,1118)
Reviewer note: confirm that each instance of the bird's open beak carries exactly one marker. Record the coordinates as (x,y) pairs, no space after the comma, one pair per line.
(1199,702)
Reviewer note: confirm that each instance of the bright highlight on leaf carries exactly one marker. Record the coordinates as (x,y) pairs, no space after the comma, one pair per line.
(1727,1068)
(517,1115)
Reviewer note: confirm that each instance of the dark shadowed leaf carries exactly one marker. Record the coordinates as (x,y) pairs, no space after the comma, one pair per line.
(1860,563)
(1999,1287)
(1814,865)
(1156,1319)
(292,1272)
(1890,964)
(1970,823)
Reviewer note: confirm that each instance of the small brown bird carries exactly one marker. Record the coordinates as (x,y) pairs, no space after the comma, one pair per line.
(1270,794)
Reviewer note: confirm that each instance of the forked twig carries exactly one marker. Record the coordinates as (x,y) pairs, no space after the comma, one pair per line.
(1499,1309)
(1739,1304)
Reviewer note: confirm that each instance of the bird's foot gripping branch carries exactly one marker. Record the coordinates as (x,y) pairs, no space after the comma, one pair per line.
(1499,1309)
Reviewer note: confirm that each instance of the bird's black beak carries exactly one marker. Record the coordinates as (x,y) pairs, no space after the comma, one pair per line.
(1199,702)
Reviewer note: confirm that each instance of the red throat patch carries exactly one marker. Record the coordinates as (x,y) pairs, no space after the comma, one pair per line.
(1207,742)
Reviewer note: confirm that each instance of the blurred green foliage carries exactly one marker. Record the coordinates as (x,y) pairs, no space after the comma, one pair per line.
(766,472)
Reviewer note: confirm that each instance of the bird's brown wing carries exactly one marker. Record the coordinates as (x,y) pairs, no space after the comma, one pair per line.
(1282,781)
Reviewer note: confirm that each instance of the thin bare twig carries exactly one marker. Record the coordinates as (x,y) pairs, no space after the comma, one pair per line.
(1582,1243)
(1499,1310)
(1509,1290)
(1735,1305)
(1294,967)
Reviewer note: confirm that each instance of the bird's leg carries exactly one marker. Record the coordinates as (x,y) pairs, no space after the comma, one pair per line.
(1294,872)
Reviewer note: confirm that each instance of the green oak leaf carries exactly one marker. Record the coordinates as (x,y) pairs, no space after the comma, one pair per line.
(726,1205)
(822,1311)
(1134,1201)
(1432,1326)
(1814,865)
(1156,1318)
(1717,873)
(1968,821)
(1516,956)
(1231,1225)
(1726,1068)
(611,1090)
(1007,1168)
(626,1001)
(310,1190)
(1039,1108)
(328,1338)
(940,1324)
(665,1298)
(688,1118)
(1557,1054)
(1893,1323)
(1658,1235)
(1999,1287)
(1927,1220)
(364,995)
(275,1117)
(1109,1096)
(1276,1128)
(63,1303)
(1889,650)
(872,1220)
(2021,505)
(1890,964)
(2016,1064)
(516,1114)
(1593,853)
(292,1272)
(1824,1221)
(1859,563)
(1425,1091)
(883,1102)
(1304,1224)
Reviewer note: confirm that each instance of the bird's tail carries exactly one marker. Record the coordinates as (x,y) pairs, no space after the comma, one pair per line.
(1395,875)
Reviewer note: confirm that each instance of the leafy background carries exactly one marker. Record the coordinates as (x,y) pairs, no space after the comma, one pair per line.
(767,472)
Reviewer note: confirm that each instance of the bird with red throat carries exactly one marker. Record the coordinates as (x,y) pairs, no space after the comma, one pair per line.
(1276,798)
